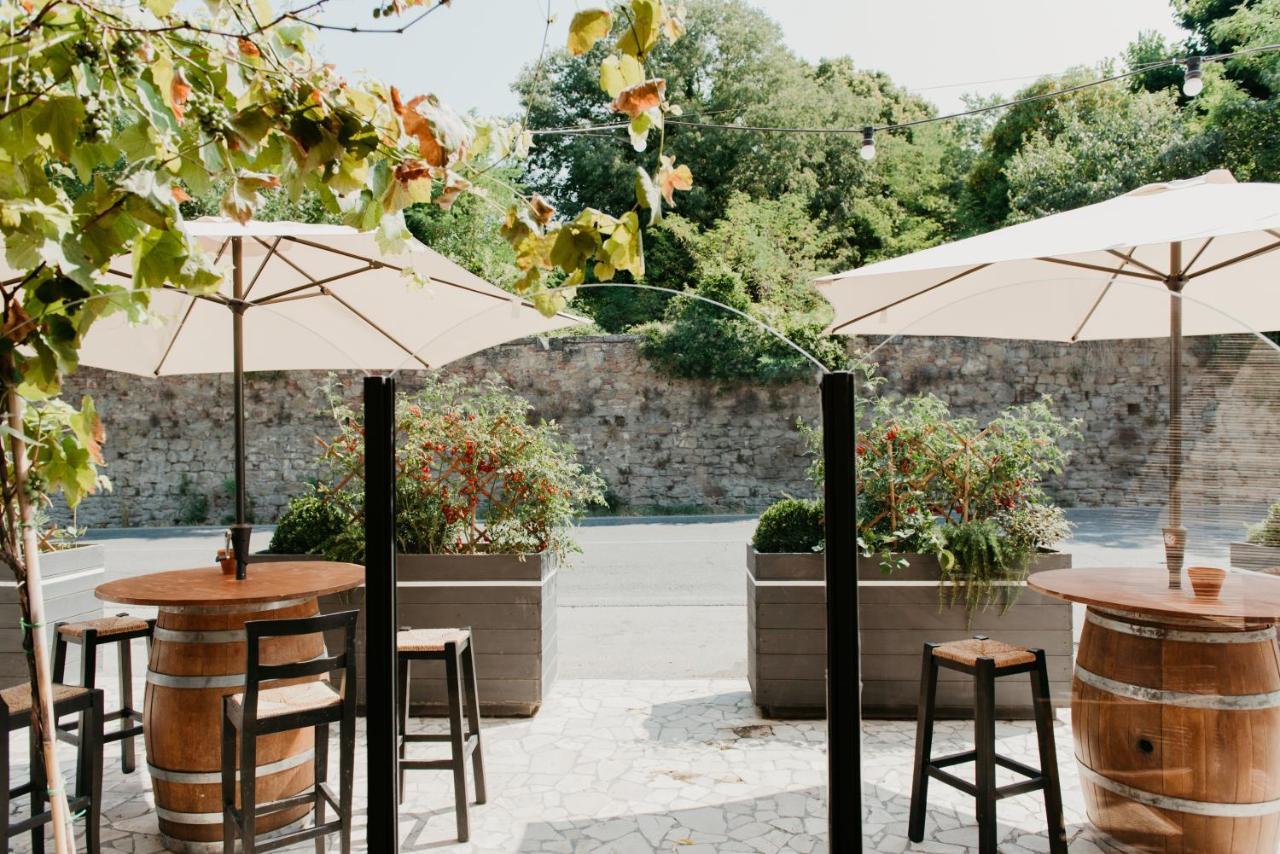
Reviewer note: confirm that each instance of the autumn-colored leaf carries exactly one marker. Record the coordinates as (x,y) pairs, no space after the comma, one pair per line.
(543,212)
(439,131)
(619,71)
(179,92)
(411,170)
(643,96)
(248,48)
(180,195)
(17,323)
(587,28)
(672,178)
(396,103)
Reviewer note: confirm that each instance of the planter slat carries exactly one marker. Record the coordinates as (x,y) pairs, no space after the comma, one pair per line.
(510,605)
(786,645)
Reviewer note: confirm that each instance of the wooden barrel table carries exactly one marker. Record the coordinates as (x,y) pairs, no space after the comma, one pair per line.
(197,658)
(1175,709)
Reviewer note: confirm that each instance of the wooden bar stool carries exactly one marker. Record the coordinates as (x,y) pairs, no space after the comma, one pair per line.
(120,630)
(455,648)
(986,660)
(259,711)
(15,714)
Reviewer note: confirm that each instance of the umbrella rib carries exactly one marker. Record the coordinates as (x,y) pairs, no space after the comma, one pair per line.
(504,296)
(1187,267)
(174,338)
(908,297)
(314,283)
(1106,289)
(375,327)
(1098,268)
(1129,259)
(271,250)
(1261,250)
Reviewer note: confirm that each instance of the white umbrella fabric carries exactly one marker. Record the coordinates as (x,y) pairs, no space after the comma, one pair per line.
(311,297)
(1071,277)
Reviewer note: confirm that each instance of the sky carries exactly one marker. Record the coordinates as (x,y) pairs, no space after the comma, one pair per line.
(469,53)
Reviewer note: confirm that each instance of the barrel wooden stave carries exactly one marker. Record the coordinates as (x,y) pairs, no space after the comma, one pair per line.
(1213,756)
(183,724)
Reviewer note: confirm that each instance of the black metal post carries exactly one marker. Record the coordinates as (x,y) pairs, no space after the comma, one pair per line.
(380,613)
(1175,535)
(844,682)
(240,530)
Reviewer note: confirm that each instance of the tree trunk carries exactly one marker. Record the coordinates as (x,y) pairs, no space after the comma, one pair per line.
(31,601)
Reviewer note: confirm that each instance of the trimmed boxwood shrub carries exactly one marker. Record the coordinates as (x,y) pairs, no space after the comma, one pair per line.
(307,526)
(790,525)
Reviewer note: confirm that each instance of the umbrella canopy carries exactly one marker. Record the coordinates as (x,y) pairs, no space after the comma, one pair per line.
(316,297)
(1063,277)
(310,297)
(1189,257)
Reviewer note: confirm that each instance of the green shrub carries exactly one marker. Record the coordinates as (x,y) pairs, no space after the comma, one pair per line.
(308,525)
(790,525)
(1267,532)
(193,505)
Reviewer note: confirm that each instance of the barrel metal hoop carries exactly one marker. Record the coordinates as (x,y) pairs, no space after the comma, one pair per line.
(1183,699)
(237,608)
(199,636)
(1266,635)
(228,680)
(202,778)
(1212,809)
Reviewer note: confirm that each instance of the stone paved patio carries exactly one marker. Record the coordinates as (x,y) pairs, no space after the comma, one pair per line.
(629,767)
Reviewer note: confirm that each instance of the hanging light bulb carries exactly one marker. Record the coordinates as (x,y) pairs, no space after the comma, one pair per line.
(1193,80)
(868,143)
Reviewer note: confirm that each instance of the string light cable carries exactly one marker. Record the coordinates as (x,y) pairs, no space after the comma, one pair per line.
(1192,86)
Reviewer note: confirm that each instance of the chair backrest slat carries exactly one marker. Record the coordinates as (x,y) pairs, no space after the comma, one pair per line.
(256,673)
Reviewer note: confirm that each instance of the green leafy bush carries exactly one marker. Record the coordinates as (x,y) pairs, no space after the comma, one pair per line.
(968,493)
(790,525)
(308,525)
(1267,532)
(473,475)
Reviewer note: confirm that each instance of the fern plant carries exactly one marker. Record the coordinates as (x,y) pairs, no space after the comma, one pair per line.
(988,566)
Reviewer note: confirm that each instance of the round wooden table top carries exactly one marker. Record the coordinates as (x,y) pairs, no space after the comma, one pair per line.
(209,586)
(1145,590)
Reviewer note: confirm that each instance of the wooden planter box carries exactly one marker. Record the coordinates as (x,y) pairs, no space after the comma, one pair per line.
(1260,558)
(69,579)
(509,601)
(786,637)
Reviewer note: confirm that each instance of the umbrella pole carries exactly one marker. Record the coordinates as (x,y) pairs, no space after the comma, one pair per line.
(1175,535)
(240,530)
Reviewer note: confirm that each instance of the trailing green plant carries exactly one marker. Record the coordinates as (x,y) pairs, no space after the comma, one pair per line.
(1267,532)
(308,525)
(790,525)
(474,475)
(987,567)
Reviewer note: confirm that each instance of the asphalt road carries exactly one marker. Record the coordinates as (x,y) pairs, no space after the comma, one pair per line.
(661,597)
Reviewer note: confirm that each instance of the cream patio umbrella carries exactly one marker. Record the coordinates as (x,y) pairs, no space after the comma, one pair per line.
(311,297)
(1071,277)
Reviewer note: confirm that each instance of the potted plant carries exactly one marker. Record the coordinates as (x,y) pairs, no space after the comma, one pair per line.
(71,570)
(952,517)
(485,502)
(1261,548)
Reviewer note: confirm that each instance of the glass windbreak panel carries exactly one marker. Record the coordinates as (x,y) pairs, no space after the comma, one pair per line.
(1103,506)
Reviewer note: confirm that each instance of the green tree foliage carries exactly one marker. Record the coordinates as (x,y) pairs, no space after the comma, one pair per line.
(760,259)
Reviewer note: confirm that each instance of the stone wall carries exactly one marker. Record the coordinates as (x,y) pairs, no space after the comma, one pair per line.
(661,442)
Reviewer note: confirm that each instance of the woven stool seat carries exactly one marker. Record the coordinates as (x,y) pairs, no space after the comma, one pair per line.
(18,698)
(429,640)
(968,652)
(105,627)
(287,699)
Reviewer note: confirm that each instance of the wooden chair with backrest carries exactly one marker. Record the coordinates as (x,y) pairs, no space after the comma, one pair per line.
(295,705)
